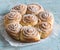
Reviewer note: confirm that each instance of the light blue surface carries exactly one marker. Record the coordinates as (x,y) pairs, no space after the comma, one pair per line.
(51,5)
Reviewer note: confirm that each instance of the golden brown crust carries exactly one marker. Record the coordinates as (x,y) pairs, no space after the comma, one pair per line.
(34,9)
(13,29)
(13,35)
(29,34)
(11,17)
(45,34)
(22,8)
(46,29)
(28,23)
(46,16)
(29,19)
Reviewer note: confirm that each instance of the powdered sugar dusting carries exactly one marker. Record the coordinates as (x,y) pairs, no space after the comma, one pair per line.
(14,27)
(32,16)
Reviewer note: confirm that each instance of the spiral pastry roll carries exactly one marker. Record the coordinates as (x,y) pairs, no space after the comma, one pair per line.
(12,16)
(28,23)
(22,8)
(46,16)
(34,9)
(29,19)
(29,34)
(13,29)
(46,29)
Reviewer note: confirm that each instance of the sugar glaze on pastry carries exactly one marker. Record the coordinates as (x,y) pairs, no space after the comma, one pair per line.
(12,16)
(34,8)
(29,34)
(46,29)
(46,17)
(29,19)
(20,8)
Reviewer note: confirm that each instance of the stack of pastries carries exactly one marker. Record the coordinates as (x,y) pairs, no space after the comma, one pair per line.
(28,23)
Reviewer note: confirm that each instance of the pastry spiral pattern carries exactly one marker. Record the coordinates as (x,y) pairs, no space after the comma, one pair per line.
(34,9)
(12,16)
(44,26)
(46,16)
(13,30)
(29,19)
(28,23)
(46,29)
(20,8)
(14,27)
(29,33)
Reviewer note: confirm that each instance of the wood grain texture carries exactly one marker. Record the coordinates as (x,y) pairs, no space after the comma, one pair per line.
(51,5)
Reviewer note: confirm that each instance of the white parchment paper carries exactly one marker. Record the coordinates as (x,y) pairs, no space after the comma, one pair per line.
(17,43)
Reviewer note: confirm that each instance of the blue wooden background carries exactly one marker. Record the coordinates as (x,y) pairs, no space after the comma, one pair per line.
(51,5)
